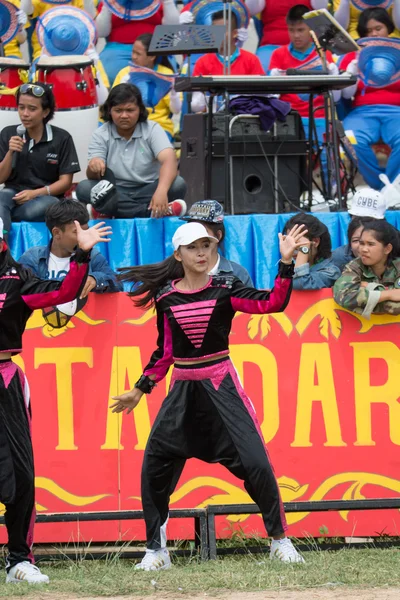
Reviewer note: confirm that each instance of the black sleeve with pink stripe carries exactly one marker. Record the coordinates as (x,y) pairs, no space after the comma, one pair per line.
(162,358)
(251,301)
(40,293)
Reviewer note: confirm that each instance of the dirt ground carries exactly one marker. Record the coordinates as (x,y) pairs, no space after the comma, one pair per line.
(309,594)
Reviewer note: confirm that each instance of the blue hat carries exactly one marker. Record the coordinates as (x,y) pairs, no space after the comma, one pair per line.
(379,61)
(133,10)
(364,4)
(203,10)
(209,211)
(8,21)
(66,30)
(152,85)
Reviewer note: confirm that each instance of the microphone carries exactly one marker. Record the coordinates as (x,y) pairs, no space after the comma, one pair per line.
(20,132)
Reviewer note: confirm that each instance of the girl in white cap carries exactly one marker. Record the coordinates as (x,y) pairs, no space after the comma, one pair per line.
(206,414)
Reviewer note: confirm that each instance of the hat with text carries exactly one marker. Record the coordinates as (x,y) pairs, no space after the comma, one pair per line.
(209,211)
(368,203)
(189,233)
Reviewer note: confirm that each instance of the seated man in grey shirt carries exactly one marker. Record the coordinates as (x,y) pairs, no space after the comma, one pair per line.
(134,161)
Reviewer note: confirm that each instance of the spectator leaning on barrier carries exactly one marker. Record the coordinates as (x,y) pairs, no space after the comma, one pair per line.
(211,214)
(313,268)
(371,283)
(367,204)
(52,261)
(37,165)
(134,161)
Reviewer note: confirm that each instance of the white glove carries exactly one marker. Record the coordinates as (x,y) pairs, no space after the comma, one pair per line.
(390,191)
(92,54)
(277,72)
(22,17)
(186,18)
(352,67)
(332,69)
(242,35)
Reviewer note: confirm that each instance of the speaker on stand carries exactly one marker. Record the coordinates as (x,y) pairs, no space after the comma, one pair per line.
(268,168)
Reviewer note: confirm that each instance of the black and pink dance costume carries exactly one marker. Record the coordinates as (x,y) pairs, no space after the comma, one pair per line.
(206,413)
(21,293)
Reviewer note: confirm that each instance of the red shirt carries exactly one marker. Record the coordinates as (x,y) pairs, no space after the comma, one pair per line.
(126,32)
(245,64)
(283,59)
(365,96)
(273,18)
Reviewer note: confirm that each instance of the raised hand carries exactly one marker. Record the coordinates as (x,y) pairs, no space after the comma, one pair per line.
(87,238)
(291,241)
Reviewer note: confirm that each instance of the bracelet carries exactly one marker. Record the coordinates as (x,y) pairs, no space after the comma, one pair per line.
(286,263)
(145,384)
(48,190)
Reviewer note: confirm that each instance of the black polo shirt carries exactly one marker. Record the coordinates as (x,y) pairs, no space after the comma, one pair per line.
(42,163)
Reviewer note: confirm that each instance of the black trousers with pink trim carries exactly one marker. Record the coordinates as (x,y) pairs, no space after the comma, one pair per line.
(206,415)
(17,480)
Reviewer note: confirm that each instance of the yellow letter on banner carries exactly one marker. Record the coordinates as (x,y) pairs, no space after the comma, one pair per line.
(126,363)
(265,360)
(316,359)
(367,394)
(63,359)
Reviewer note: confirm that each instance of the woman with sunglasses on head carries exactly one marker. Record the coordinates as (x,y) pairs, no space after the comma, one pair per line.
(37,160)
(206,414)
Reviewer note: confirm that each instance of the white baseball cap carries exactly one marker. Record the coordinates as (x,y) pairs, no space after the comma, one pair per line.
(189,233)
(368,203)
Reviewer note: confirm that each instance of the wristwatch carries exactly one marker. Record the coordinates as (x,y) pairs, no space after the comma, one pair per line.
(304,249)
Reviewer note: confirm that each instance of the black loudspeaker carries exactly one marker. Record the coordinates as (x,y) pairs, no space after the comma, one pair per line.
(267,168)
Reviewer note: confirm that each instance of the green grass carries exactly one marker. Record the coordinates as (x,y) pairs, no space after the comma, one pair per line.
(113,577)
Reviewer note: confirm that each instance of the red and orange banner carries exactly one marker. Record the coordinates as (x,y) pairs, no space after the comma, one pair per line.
(325,384)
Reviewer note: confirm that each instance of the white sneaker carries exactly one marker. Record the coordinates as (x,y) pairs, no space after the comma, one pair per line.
(155,560)
(26,572)
(284,551)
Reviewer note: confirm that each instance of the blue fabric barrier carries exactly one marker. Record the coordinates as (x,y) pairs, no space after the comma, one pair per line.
(251,240)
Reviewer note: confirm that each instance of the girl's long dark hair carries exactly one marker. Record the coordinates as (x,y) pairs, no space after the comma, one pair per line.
(149,279)
(316,229)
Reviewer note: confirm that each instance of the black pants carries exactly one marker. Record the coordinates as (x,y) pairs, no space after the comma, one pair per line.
(132,202)
(17,478)
(207,415)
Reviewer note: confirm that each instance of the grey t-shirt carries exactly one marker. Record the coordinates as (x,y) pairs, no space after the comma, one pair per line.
(133,162)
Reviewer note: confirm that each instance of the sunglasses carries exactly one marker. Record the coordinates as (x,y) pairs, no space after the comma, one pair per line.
(30,88)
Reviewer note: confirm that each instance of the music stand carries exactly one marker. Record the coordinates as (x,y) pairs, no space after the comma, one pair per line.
(328,34)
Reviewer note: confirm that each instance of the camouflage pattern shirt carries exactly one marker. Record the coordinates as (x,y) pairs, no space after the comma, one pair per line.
(349,293)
